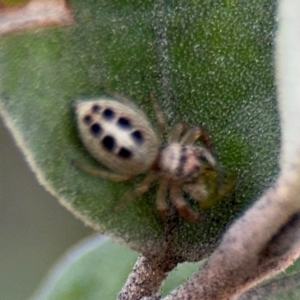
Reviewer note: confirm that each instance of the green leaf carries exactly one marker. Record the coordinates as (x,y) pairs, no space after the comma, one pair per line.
(178,276)
(97,269)
(208,63)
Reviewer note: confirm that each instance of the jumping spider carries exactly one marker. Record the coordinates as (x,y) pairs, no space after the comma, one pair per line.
(118,134)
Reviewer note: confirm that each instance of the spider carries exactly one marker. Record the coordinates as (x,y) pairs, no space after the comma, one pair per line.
(118,134)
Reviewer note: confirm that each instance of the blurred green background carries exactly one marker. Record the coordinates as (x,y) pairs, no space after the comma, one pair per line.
(35,230)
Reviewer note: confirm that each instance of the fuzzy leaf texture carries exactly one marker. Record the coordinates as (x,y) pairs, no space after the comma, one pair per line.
(207,62)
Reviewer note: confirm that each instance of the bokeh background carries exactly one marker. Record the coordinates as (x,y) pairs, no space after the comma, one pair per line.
(35,230)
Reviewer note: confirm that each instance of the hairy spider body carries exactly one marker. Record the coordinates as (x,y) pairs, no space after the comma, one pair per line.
(183,164)
(118,134)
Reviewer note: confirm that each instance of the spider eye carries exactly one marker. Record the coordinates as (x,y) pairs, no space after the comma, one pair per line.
(207,160)
(203,158)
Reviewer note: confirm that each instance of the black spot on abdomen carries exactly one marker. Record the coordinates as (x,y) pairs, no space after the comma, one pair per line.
(108,143)
(95,129)
(138,137)
(124,153)
(87,119)
(124,123)
(108,114)
(96,108)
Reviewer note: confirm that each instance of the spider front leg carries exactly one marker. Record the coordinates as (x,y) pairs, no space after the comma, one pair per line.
(196,191)
(197,133)
(161,197)
(100,172)
(183,208)
(176,131)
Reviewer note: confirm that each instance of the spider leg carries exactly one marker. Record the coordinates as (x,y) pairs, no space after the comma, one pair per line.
(180,204)
(142,188)
(161,196)
(194,134)
(196,191)
(100,172)
(160,120)
(175,132)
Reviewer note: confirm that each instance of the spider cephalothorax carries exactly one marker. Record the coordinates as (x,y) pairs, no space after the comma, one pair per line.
(118,134)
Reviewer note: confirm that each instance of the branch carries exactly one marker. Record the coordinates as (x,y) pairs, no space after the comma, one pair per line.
(272,288)
(146,278)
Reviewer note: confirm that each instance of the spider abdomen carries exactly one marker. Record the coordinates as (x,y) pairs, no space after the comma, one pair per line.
(117,135)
